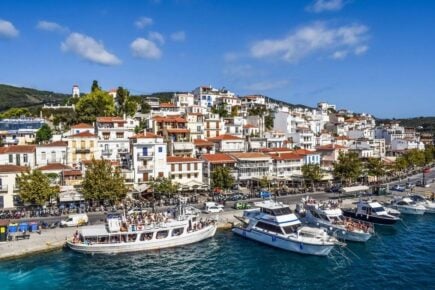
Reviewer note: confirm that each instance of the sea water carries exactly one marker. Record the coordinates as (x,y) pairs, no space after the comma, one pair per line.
(399,257)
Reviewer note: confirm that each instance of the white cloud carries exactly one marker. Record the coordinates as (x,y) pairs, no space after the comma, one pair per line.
(310,39)
(7,29)
(89,49)
(361,49)
(155,36)
(143,22)
(179,36)
(326,5)
(144,48)
(340,54)
(239,71)
(50,26)
(266,85)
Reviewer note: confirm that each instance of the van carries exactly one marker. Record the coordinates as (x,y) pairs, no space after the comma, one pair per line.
(75,220)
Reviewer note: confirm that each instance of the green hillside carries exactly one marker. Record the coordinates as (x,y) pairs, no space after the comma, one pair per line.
(11,97)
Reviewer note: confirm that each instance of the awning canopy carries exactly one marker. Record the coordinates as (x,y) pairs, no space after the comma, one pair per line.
(70,195)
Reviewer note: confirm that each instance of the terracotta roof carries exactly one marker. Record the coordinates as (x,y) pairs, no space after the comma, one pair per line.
(218,158)
(18,149)
(54,166)
(178,159)
(247,126)
(202,142)
(144,135)
(72,173)
(12,168)
(304,152)
(250,155)
(55,144)
(81,126)
(286,156)
(224,137)
(330,147)
(167,105)
(85,134)
(111,120)
(177,130)
(172,119)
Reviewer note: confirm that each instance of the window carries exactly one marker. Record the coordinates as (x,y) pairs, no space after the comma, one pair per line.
(196,175)
(177,232)
(25,158)
(180,176)
(11,158)
(180,167)
(188,175)
(188,166)
(160,149)
(146,236)
(172,167)
(196,166)
(43,155)
(269,227)
(162,234)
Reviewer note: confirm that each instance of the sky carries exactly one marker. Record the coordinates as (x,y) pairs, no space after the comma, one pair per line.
(367,56)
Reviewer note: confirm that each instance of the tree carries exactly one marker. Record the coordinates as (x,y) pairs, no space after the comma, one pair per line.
(220,110)
(263,183)
(145,108)
(268,121)
(375,167)
(348,168)
(103,183)
(163,186)
(221,177)
(15,113)
(34,187)
(43,134)
(235,111)
(95,104)
(312,173)
(95,87)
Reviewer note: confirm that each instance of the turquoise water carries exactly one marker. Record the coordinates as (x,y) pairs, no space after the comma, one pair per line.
(402,257)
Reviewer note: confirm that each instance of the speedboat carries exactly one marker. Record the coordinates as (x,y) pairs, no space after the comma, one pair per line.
(419,199)
(142,232)
(372,212)
(274,224)
(407,206)
(330,217)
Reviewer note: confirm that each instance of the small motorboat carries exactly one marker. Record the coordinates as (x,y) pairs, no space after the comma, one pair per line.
(407,206)
(371,211)
(419,199)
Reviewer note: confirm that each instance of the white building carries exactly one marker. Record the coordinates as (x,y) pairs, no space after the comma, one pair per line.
(228,143)
(149,157)
(75,91)
(54,152)
(20,155)
(186,171)
(252,165)
(206,96)
(286,165)
(283,122)
(183,100)
(9,191)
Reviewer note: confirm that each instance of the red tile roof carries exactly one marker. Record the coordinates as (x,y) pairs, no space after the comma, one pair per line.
(218,158)
(178,159)
(167,105)
(18,149)
(286,156)
(304,152)
(111,120)
(85,134)
(55,144)
(54,166)
(81,126)
(12,168)
(202,143)
(145,135)
(72,173)
(250,155)
(224,137)
(171,119)
(248,126)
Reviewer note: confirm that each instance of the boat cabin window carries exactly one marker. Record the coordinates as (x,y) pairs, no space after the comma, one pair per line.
(269,227)
(177,232)
(363,208)
(276,211)
(132,238)
(378,209)
(162,234)
(290,229)
(146,236)
(103,239)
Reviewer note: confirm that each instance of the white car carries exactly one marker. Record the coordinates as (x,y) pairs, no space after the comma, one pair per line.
(212,207)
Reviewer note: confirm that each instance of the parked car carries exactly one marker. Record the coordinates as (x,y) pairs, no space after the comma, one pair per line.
(212,207)
(75,220)
(241,205)
(410,185)
(398,187)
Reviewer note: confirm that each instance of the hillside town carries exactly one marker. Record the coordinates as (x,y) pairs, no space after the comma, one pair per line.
(259,141)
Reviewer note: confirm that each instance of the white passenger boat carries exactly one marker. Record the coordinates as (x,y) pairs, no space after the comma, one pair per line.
(421,200)
(274,224)
(407,206)
(329,216)
(141,232)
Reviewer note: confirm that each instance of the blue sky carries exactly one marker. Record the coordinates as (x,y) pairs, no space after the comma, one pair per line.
(364,55)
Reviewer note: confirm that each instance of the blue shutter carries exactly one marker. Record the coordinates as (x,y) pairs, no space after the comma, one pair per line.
(145,151)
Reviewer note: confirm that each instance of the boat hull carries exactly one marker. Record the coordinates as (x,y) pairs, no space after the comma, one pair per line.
(370,218)
(410,210)
(138,246)
(285,244)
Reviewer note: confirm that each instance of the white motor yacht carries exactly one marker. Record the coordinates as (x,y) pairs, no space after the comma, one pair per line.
(407,206)
(141,232)
(419,199)
(274,224)
(330,217)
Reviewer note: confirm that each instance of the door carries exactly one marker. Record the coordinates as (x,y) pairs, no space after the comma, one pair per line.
(145,151)
(145,177)
(17,157)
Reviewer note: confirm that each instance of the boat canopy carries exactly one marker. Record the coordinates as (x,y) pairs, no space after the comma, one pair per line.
(93,231)
(354,188)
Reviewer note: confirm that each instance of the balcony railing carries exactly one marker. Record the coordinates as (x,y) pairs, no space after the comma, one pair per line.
(83,151)
(107,152)
(142,156)
(145,168)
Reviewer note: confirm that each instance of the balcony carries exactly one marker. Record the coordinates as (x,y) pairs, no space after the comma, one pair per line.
(141,156)
(83,151)
(107,152)
(143,168)
(3,188)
